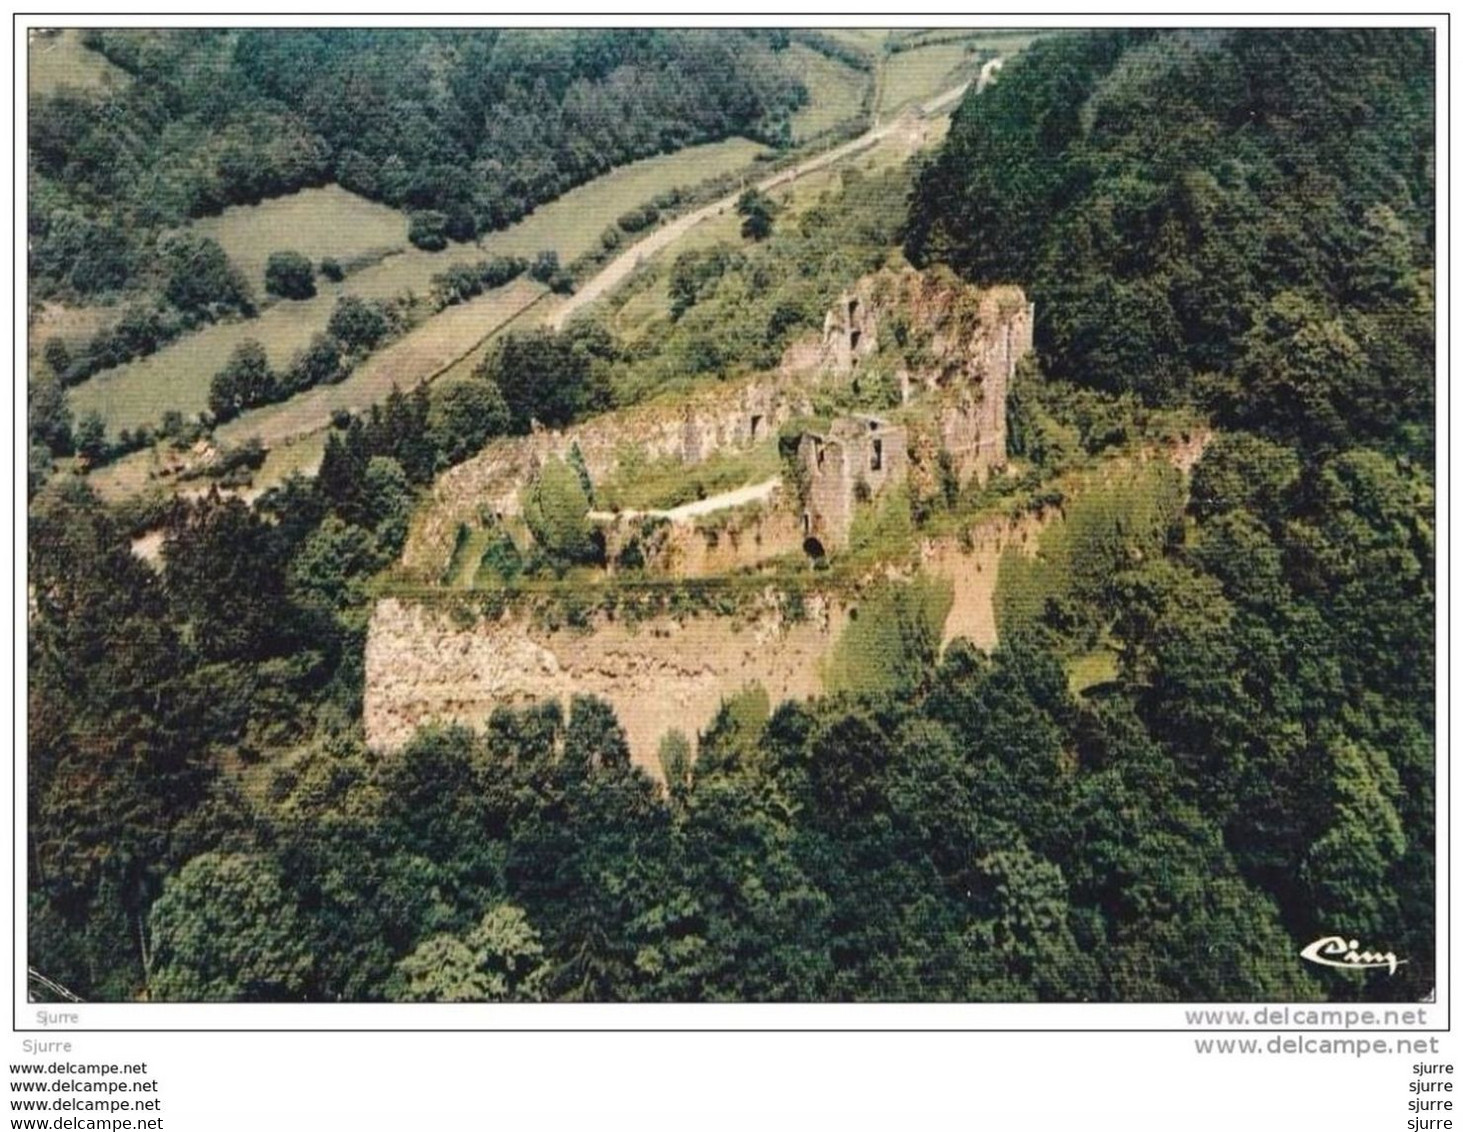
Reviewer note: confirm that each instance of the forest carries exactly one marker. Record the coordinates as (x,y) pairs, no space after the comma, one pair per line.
(1238,224)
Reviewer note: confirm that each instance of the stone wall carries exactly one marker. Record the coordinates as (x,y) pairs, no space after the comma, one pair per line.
(720,543)
(691,428)
(423,666)
(858,454)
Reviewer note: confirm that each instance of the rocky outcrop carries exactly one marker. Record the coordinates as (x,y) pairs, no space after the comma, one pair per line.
(428,664)
(425,666)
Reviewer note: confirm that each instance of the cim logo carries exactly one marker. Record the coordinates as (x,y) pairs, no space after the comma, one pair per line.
(1336,951)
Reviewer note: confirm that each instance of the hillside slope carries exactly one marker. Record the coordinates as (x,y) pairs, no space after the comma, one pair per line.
(1243,218)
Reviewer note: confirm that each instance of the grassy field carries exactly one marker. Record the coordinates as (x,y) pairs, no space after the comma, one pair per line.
(178,377)
(328,221)
(1089,669)
(61,61)
(912,76)
(860,39)
(572,224)
(301,454)
(835,89)
(52,320)
(293,430)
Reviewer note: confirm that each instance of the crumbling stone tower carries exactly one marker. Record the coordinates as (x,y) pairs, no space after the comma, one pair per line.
(857,457)
(960,348)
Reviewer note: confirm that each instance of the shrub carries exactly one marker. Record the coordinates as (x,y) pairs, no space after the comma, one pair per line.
(556,509)
(638,219)
(289,275)
(428,230)
(357,324)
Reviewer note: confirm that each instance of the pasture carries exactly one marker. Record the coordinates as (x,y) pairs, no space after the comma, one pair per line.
(56,61)
(573,223)
(328,221)
(917,74)
(835,92)
(869,40)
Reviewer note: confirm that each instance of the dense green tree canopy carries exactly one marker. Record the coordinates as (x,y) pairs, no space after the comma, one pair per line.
(1243,217)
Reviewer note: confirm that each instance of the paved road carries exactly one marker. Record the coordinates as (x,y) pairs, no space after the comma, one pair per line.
(615,272)
(752,493)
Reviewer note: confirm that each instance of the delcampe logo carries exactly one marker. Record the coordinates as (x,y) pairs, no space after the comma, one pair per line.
(1336,951)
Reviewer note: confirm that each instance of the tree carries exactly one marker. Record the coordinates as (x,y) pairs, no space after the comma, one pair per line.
(226,930)
(543,375)
(90,437)
(1241,470)
(545,266)
(428,230)
(469,414)
(57,355)
(357,324)
(330,268)
(556,509)
(676,759)
(289,275)
(330,569)
(593,737)
(245,382)
(388,498)
(319,363)
(224,568)
(500,960)
(201,279)
(757,210)
(49,415)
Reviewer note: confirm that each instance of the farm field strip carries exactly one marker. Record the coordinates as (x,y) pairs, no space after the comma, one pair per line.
(920,73)
(406,363)
(317,222)
(836,91)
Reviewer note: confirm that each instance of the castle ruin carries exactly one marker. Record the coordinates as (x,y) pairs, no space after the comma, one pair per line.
(852,462)
(960,349)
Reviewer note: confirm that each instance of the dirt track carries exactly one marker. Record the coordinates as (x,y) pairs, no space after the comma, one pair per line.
(752,493)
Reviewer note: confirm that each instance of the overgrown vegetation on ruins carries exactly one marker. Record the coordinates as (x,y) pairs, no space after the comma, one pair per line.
(1249,763)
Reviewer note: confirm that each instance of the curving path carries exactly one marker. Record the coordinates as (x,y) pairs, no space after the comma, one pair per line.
(739,497)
